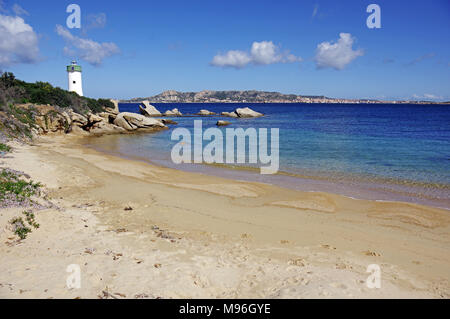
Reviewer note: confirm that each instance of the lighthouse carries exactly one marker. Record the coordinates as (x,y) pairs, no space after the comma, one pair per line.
(74,76)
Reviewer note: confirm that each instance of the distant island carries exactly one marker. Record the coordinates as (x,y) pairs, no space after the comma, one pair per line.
(252,96)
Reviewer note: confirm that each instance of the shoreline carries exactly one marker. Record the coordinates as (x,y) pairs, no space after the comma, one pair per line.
(359,187)
(198,236)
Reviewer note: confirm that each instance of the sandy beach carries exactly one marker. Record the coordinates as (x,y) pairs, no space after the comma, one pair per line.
(141,231)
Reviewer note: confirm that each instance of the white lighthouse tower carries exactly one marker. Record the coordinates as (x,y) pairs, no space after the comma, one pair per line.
(74,75)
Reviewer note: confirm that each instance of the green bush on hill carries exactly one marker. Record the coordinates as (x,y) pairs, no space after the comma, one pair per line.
(16,91)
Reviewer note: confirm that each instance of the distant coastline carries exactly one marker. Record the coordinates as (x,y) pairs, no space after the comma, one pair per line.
(172,96)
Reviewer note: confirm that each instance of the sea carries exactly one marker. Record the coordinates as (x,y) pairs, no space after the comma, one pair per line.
(386,152)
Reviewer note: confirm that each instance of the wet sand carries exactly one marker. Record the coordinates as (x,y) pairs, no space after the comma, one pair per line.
(351,185)
(190,235)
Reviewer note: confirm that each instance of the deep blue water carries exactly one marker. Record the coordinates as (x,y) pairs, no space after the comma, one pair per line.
(400,144)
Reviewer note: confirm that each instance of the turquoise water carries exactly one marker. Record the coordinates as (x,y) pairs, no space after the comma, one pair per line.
(377,151)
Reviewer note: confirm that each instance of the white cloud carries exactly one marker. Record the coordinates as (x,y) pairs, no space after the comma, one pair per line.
(261,53)
(18,10)
(337,55)
(18,42)
(87,49)
(235,59)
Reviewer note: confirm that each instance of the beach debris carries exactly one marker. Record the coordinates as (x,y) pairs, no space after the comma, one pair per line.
(326,246)
(371,253)
(108,295)
(117,256)
(128,208)
(157,265)
(89,251)
(121,230)
(297,262)
(86,205)
(164,235)
(342,266)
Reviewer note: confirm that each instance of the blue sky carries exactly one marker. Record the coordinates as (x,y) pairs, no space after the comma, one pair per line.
(141,48)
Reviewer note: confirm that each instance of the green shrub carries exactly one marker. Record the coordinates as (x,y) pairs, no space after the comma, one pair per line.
(13,187)
(19,226)
(17,91)
(4,148)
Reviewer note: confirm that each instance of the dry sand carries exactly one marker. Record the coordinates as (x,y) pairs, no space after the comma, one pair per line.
(190,235)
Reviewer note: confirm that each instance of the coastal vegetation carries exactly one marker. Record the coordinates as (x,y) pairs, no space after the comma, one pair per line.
(16,91)
(20,227)
(19,115)
(4,148)
(15,189)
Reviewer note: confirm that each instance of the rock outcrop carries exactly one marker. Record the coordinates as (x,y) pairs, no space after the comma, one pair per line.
(149,110)
(229,114)
(242,113)
(53,121)
(247,112)
(133,121)
(222,123)
(116,106)
(50,119)
(205,113)
(174,112)
(168,121)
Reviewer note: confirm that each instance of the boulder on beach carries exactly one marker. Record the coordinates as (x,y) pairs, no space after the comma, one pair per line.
(229,114)
(107,117)
(174,112)
(53,122)
(247,112)
(205,112)
(114,110)
(94,118)
(242,113)
(148,110)
(77,119)
(133,121)
(102,128)
(222,123)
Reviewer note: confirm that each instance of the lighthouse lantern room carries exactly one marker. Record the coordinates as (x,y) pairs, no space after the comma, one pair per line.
(74,76)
